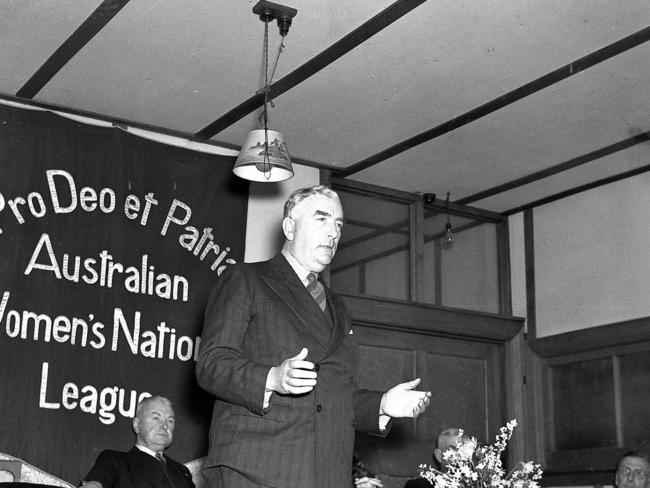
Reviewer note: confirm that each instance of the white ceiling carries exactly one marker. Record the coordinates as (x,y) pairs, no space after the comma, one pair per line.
(181,65)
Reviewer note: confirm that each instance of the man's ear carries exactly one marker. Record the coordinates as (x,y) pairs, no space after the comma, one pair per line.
(136,425)
(288,227)
(437,453)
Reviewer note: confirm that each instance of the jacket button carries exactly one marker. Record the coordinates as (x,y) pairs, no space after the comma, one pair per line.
(317,367)
(319,408)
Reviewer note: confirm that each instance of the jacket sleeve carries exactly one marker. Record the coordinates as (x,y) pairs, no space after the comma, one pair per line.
(223,368)
(106,469)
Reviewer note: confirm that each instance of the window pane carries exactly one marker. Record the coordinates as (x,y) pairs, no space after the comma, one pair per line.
(373,257)
(465,274)
(373,254)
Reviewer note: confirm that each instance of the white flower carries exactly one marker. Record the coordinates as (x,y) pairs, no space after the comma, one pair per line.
(467,448)
(473,466)
(528,467)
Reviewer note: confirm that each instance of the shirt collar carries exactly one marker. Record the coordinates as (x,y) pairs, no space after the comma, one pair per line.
(297,267)
(146,450)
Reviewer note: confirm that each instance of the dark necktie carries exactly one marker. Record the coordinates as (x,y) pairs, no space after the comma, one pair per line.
(161,458)
(316,289)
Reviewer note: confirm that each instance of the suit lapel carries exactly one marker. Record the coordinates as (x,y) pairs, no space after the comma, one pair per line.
(283,281)
(338,319)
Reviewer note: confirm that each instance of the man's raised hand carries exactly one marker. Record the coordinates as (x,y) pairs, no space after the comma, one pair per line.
(404,401)
(294,376)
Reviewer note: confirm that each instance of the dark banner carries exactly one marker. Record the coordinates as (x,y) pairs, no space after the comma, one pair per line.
(109,246)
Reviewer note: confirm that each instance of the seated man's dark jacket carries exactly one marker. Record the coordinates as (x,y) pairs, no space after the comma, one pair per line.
(136,469)
(418,483)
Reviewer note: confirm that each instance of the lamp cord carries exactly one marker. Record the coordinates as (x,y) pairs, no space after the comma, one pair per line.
(275,65)
(266,165)
(264,119)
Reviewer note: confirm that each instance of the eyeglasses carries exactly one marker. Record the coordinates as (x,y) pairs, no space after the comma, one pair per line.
(635,474)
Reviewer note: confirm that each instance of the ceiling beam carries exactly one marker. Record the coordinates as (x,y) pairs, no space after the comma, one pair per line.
(578,189)
(498,103)
(71,46)
(558,168)
(359,35)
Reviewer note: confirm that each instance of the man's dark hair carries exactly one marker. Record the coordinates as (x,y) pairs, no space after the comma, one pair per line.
(303,193)
(635,454)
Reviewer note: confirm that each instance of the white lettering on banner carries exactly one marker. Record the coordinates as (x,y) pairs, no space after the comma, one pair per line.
(74,331)
(2,205)
(192,242)
(88,196)
(166,343)
(162,343)
(132,204)
(65,199)
(88,200)
(90,400)
(54,195)
(3,304)
(104,272)
(176,220)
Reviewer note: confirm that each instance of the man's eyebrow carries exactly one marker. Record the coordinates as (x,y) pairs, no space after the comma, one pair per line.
(323,213)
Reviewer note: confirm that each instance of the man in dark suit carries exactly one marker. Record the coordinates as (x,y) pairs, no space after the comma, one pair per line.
(145,465)
(279,354)
(448,439)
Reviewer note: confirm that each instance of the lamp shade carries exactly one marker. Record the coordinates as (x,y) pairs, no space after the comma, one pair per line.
(264,157)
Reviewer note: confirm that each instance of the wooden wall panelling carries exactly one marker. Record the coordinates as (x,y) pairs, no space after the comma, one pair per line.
(596,391)
(515,375)
(460,357)
(635,396)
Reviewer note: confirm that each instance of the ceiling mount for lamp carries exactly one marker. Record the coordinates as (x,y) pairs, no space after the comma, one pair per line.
(264,156)
(267,11)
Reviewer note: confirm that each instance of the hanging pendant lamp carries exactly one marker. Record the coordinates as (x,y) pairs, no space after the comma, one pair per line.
(264,156)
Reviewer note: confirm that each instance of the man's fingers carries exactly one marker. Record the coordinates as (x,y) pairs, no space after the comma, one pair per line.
(302,354)
(422,405)
(300,364)
(302,372)
(299,390)
(298,381)
(411,385)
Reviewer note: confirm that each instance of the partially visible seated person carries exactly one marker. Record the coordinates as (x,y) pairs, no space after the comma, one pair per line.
(362,477)
(448,439)
(633,471)
(145,464)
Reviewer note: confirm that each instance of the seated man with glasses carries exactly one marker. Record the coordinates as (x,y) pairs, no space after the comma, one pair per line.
(633,471)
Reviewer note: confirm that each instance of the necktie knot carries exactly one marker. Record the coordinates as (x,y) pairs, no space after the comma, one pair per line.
(317,290)
(160,457)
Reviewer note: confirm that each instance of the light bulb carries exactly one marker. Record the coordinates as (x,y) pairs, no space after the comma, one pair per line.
(448,239)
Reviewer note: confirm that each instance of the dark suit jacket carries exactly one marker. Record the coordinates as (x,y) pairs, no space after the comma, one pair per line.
(257,316)
(136,469)
(418,483)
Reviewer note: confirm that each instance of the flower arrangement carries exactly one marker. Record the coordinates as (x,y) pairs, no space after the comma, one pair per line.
(471,465)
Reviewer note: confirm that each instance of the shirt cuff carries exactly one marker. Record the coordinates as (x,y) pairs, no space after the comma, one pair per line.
(267,392)
(383,421)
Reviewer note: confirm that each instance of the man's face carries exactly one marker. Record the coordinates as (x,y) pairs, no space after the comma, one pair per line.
(632,472)
(313,231)
(154,426)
